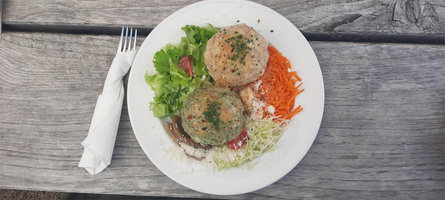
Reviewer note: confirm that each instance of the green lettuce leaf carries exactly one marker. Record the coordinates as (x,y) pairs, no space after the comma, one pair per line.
(161,61)
(159,109)
(197,38)
(171,84)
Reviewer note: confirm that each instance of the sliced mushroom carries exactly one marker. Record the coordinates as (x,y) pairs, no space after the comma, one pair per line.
(180,137)
(183,136)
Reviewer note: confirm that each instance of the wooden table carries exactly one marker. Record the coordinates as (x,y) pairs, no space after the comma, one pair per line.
(383,129)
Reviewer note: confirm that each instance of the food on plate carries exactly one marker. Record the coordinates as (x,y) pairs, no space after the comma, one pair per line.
(172,84)
(181,138)
(236,55)
(176,131)
(226,94)
(212,115)
(275,90)
(251,100)
(262,135)
(186,64)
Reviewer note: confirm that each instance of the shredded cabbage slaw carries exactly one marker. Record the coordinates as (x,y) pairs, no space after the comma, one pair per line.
(262,133)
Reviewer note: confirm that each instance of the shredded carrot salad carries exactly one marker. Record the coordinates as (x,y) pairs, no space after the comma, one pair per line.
(278,86)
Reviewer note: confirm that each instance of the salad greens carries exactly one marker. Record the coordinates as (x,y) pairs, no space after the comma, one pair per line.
(171,84)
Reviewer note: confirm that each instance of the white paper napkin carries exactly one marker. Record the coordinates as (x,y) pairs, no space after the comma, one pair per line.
(99,144)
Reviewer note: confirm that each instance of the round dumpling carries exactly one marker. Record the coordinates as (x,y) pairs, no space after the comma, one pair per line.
(212,115)
(236,55)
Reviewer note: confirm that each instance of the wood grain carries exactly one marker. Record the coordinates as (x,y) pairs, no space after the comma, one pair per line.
(382,135)
(356,18)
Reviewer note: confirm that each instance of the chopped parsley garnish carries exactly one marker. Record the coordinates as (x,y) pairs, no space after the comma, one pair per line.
(239,46)
(212,113)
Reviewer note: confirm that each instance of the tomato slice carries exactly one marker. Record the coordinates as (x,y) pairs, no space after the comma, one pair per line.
(239,141)
(186,64)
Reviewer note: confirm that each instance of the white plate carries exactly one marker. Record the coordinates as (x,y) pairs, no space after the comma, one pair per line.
(294,143)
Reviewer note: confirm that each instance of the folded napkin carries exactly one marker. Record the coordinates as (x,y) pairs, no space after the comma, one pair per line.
(99,144)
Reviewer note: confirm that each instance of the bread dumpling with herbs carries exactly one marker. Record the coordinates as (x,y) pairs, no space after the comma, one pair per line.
(236,55)
(212,115)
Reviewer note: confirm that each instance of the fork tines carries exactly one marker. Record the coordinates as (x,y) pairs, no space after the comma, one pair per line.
(130,47)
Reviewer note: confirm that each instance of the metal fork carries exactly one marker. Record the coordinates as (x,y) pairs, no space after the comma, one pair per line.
(124,48)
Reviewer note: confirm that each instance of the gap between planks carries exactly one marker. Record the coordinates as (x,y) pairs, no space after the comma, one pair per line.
(311,36)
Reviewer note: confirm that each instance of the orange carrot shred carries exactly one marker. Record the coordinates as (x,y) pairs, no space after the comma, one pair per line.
(278,86)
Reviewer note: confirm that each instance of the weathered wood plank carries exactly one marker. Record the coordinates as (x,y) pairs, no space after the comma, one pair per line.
(382,135)
(355,18)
